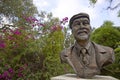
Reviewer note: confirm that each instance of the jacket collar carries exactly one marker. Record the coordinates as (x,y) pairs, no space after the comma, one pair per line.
(78,47)
(99,48)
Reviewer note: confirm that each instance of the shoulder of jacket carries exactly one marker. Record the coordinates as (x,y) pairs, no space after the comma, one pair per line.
(102,48)
(66,51)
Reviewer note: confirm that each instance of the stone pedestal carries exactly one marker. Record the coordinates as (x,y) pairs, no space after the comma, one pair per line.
(74,77)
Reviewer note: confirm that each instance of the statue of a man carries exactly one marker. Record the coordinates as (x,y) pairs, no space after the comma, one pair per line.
(85,57)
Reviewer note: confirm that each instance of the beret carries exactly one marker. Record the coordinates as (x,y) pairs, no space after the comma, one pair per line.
(76,16)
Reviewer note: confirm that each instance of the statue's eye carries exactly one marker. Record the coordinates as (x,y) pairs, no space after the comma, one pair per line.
(85,22)
(76,23)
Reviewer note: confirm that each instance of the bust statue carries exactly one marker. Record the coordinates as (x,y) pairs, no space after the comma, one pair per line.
(87,58)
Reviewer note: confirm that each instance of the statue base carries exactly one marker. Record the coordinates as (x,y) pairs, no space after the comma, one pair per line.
(74,77)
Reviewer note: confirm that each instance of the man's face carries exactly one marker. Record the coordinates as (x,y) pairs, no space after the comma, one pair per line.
(81,28)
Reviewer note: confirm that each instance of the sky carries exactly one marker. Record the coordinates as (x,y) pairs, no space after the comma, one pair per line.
(67,8)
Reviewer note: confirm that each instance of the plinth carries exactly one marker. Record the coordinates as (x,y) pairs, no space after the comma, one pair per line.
(74,77)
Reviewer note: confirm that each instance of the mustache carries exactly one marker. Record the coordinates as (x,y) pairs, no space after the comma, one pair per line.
(81,30)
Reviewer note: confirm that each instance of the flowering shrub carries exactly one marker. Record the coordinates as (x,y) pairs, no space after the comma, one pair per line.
(2,44)
(33,52)
(10,73)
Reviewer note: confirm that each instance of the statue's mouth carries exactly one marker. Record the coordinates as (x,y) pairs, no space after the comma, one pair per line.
(82,31)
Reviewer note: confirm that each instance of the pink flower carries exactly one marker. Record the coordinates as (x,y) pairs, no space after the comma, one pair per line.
(30,19)
(4,30)
(11,38)
(34,19)
(33,25)
(21,69)
(62,27)
(64,20)
(10,70)
(2,44)
(17,32)
(40,24)
(5,74)
(53,28)
(20,75)
(0,76)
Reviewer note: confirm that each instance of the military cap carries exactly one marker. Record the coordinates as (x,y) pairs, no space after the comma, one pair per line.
(80,15)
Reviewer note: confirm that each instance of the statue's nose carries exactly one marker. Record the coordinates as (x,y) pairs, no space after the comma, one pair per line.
(81,25)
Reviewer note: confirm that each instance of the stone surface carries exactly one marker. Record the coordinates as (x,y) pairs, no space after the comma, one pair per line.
(74,77)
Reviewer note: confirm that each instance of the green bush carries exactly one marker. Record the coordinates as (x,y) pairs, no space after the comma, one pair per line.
(28,57)
(109,36)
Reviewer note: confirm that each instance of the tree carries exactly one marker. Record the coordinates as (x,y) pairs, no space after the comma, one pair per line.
(69,39)
(14,24)
(14,11)
(110,6)
(43,58)
(106,35)
(109,36)
(31,53)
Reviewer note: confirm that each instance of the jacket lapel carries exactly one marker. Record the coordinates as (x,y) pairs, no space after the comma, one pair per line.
(74,61)
(101,54)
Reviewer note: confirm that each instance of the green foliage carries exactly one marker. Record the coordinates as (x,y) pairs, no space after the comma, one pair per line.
(36,50)
(93,1)
(109,36)
(69,39)
(106,35)
(15,10)
(119,13)
(117,51)
(114,69)
(15,43)
(44,61)
(16,40)
(52,48)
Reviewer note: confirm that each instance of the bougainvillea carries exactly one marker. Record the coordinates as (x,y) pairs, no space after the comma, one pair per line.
(25,53)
